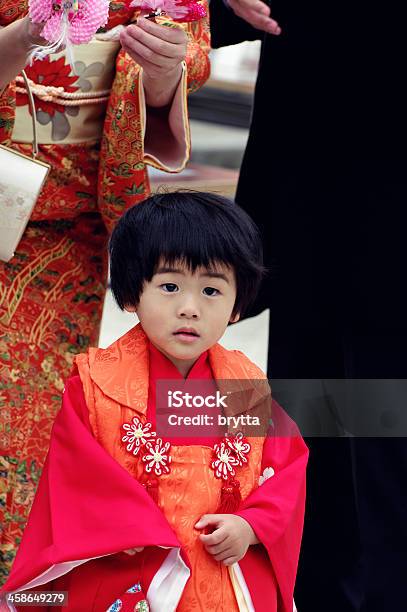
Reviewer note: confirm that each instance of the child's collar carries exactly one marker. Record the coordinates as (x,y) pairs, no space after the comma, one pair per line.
(162,367)
(121,371)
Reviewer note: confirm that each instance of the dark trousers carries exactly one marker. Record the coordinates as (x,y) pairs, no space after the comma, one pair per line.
(335,247)
(355,535)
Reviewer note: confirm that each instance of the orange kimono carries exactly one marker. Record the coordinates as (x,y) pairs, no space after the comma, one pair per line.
(96,507)
(52,290)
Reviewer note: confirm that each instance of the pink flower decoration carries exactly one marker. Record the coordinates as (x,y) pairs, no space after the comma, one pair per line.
(195,10)
(69,21)
(178,10)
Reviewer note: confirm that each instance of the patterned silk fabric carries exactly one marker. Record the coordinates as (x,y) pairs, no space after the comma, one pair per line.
(115,382)
(51,292)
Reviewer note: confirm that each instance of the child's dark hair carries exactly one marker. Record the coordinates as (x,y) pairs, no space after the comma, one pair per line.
(197,228)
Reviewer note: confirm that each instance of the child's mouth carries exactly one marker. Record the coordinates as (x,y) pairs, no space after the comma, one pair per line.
(187,335)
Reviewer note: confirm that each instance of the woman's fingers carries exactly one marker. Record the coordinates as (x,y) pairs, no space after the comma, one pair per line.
(256,6)
(151,69)
(154,44)
(257,14)
(154,47)
(34,32)
(175,35)
(136,48)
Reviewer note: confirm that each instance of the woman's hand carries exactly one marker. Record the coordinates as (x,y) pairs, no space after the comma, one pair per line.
(257,13)
(27,33)
(230,539)
(32,33)
(16,41)
(160,51)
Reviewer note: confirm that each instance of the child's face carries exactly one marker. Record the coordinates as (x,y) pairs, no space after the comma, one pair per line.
(185,313)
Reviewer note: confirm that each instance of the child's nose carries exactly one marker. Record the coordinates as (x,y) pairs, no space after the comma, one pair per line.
(189,310)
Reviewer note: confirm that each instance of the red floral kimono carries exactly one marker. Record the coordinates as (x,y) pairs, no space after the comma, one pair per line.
(52,290)
(91,510)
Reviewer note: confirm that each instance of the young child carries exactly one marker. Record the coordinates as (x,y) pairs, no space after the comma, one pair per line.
(129,518)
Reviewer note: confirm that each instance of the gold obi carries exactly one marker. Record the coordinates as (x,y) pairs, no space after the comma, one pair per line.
(65,116)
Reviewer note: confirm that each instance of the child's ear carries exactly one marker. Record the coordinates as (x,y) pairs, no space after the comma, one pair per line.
(130,308)
(235,318)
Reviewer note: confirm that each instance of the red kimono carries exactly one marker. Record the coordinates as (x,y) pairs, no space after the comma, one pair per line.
(90,506)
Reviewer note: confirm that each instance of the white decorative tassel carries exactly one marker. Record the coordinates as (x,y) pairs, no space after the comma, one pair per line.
(39,52)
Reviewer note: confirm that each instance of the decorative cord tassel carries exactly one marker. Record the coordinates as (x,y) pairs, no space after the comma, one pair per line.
(151,486)
(230,497)
(39,52)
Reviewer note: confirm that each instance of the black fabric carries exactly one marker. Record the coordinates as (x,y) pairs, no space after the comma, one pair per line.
(325,177)
(227,28)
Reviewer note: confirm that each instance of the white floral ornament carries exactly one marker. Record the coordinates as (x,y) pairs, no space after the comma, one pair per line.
(225,462)
(267,473)
(137,435)
(240,447)
(156,457)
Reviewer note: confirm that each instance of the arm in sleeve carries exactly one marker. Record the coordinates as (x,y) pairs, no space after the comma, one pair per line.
(167,141)
(275,510)
(135,135)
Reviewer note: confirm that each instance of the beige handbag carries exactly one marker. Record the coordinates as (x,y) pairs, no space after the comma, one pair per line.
(21,180)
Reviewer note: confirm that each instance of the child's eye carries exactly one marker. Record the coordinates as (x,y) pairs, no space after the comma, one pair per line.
(169,287)
(211,291)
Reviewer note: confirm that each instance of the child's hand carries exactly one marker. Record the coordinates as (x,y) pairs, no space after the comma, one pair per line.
(133,551)
(230,539)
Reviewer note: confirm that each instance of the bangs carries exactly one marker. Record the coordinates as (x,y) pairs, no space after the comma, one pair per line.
(190,239)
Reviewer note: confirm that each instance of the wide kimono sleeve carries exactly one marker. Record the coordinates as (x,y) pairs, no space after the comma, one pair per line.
(7,102)
(275,511)
(86,509)
(7,110)
(167,137)
(135,135)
